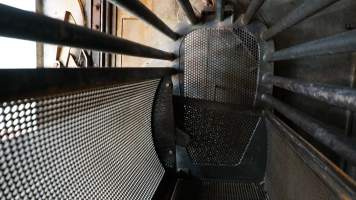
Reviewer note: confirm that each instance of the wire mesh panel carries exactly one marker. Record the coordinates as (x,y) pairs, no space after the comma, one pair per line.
(220,70)
(88,144)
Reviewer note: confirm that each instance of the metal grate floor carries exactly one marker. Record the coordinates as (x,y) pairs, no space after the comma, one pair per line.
(219,190)
(212,190)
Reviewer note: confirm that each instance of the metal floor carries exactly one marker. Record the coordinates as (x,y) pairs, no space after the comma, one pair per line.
(222,190)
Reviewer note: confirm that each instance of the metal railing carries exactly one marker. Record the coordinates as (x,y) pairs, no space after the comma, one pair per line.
(21,24)
(331,137)
(16,23)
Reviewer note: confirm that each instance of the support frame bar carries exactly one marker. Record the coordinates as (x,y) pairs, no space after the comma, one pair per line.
(339,43)
(28,83)
(141,11)
(220,5)
(331,137)
(334,95)
(252,9)
(20,24)
(189,11)
(302,12)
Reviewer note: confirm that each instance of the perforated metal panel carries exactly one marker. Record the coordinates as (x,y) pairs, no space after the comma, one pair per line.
(221,64)
(92,144)
(218,137)
(220,79)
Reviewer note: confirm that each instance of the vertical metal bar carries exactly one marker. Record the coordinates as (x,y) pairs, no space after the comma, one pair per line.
(141,11)
(220,10)
(254,6)
(35,27)
(338,96)
(114,32)
(103,23)
(340,43)
(39,45)
(96,25)
(305,10)
(109,23)
(188,9)
(327,135)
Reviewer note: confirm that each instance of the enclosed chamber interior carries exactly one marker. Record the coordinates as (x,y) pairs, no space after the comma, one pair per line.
(258,104)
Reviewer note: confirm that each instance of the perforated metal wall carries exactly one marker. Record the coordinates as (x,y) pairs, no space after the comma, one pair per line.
(92,144)
(220,84)
(221,64)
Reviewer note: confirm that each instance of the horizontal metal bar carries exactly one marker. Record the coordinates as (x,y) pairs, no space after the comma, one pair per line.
(141,11)
(23,83)
(331,137)
(342,184)
(338,96)
(305,10)
(253,7)
(16,23)
(188,10)
(340,43)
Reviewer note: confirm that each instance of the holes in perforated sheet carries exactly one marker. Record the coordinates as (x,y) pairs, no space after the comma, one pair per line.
(93,144)
(218,138)
(221,65)
(17,118)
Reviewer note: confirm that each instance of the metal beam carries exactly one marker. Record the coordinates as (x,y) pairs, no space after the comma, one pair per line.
(305,10)
(220,10)
(253,7)
(24,83)
(331,137)
(141,11)
(340,43)
(338,96)
(16,23)
(188,9)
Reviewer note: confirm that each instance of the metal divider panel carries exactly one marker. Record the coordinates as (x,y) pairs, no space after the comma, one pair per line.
(220,68)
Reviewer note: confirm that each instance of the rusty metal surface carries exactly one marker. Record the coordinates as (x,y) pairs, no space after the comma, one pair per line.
(340,43)
(339,96)
(331,70)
